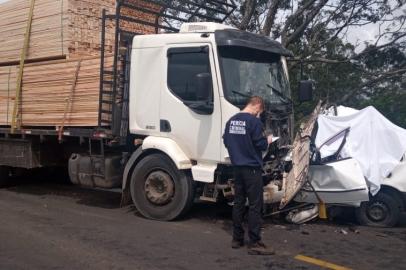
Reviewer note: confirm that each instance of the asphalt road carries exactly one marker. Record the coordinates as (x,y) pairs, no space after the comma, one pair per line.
(57,226)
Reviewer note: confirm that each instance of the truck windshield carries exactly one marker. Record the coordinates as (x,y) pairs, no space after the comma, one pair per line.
(248,72)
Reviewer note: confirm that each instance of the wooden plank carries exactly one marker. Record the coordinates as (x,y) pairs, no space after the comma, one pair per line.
(296,178)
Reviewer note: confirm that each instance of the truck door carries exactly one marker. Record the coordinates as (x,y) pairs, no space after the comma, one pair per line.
(189,118)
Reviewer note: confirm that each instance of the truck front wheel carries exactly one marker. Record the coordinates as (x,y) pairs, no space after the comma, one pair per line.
(4,176)
(159,190)
(382,210)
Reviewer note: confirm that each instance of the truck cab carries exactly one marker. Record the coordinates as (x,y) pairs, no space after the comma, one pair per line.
(183,89)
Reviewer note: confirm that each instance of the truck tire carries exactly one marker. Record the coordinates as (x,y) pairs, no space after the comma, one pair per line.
(4,176)
(159,190)
(382,210)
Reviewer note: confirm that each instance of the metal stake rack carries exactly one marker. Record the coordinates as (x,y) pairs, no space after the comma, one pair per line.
(169,15)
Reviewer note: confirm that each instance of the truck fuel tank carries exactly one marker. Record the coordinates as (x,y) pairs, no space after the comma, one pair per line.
(96,171)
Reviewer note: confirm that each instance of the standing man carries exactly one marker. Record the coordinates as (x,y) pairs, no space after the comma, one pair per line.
(245,141)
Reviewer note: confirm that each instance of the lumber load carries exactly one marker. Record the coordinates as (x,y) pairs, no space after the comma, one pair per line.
(61,77)
(60,28)
(48,87)
(47,34)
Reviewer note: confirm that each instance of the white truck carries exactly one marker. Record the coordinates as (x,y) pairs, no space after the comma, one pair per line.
(172,95)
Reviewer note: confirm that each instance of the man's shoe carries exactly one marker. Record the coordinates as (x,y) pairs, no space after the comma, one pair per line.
(259,248)
(237,243)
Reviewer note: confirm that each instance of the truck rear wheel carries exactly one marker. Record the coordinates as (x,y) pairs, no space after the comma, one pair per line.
(4,176)
(159,190)
(382,210)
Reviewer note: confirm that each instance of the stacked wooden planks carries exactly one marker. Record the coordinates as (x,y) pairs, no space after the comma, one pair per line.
(63,33)
(46,90)
(84,16)
(60,28)
(47,33)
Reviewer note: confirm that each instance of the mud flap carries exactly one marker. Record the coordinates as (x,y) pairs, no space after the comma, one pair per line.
(125,198)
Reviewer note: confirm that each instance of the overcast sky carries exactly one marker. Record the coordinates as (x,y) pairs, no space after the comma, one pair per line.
(355,35)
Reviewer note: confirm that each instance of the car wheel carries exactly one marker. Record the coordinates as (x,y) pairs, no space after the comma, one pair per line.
(382,210)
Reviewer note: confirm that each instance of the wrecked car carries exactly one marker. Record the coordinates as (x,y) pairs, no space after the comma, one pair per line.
(358,160)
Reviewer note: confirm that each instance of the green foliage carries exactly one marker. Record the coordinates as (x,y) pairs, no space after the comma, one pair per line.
(390,104)
(316,32)
(368,77)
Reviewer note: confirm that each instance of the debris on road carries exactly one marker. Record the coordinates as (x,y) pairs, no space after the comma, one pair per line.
(300,216)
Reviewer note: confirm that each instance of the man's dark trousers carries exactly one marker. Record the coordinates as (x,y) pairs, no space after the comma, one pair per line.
(247,184)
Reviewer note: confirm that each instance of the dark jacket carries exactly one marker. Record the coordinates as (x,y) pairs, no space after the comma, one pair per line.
(245,140)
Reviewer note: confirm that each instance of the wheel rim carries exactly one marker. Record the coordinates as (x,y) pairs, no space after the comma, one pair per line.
(159,188)
(377,211)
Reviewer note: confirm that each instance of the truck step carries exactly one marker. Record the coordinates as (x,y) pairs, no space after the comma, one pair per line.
(207,199)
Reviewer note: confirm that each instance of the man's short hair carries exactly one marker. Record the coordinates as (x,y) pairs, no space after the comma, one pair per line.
(256,100)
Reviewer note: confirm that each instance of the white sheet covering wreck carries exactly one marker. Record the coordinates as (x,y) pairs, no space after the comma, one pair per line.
(376,143)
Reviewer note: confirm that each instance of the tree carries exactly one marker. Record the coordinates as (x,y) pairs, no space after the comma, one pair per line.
(316,31)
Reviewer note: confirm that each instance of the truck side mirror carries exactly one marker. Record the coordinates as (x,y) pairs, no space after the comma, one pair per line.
(204,87)
(305,90)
